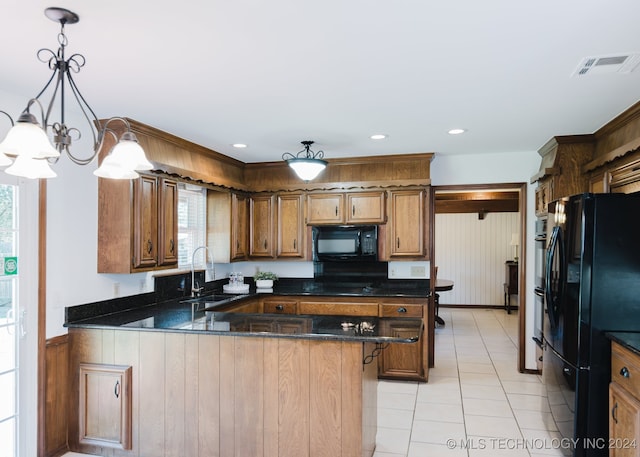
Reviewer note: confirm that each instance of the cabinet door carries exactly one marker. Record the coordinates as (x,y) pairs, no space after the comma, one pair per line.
(239,226)
(145,221)
(325,208)
(290,226)
(399,360)
(168,223)
(366,207)
(261,216)
(624,423)
(407,231)
(105,405)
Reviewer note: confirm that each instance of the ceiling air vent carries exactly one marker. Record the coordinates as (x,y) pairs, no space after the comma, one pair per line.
(624,63)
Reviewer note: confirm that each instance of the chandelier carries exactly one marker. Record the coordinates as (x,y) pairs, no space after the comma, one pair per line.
(306,163)
(28,142)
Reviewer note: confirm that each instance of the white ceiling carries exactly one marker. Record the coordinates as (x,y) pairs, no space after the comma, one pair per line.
(274,73)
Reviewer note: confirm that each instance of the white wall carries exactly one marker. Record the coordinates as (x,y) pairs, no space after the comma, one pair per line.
(472,252)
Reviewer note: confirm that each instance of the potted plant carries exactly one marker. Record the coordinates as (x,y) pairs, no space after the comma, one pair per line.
(264,279)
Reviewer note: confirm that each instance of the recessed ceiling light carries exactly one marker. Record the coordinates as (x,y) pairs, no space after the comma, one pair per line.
(379,136)
(239,145)
(456,131)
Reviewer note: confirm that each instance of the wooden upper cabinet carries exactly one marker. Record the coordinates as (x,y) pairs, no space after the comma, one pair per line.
(261,216)
(168,223)
(346,208)
(406,234)
(137,223)
(239,226)
(145,228)
(366,207)
(290,226)
(325,208)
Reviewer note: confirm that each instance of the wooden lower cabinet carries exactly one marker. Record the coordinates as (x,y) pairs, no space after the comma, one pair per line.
(404,361)
(624,423)
(624,403)
(197,395)
(408,362)
(105,405)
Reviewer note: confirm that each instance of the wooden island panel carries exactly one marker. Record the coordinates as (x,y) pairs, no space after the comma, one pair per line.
(209,395)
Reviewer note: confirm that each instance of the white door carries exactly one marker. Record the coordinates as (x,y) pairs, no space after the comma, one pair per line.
(18,316)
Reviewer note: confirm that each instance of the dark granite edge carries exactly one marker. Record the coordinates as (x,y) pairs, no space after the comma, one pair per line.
(298,336)
(628,340)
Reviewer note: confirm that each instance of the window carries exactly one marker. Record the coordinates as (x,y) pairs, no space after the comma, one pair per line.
(192,221)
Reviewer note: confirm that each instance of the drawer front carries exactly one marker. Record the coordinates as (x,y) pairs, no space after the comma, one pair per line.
(280,306)
(400,310)
(338,308)
(625,369)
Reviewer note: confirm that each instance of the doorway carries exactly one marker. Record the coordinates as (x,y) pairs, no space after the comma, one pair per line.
(479,202)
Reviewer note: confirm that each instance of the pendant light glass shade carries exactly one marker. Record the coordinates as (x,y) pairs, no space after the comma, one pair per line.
(128,153)
(110,169)
(125,158)
(29,167)
(27,138)
(307,169)
(306,163)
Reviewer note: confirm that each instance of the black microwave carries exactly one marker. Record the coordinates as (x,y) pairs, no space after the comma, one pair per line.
(345,242)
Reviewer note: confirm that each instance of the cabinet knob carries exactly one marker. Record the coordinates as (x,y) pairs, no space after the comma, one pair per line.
(149,246)
(398,242)
(294,244)
(336,210)
(279,307)
(353,210)
(171,246)
(265,243)
(614,414)
(116,389)
(624,372)
(402,309)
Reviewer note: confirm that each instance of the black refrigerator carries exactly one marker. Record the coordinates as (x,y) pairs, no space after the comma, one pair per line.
(592,285)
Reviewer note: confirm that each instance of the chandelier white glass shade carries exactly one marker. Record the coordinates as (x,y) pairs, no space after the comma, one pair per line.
(306,163)
(28,141)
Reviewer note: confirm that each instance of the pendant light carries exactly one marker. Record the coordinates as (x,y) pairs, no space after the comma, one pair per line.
(28,140)
(306,163)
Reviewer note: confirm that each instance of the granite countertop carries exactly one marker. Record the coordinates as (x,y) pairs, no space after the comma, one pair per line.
(177,316)
(199,315)
(629,340)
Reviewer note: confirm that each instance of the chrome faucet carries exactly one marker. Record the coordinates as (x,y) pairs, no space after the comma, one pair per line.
(195,291)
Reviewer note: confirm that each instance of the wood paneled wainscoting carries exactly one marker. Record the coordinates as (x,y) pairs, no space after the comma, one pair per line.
(199,395)
(56,401)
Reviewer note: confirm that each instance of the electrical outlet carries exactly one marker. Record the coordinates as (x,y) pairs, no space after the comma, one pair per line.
(393,273)
(418,272)
(116,289)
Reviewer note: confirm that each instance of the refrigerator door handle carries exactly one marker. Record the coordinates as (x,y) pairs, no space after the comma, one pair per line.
(554,290)
(558,355)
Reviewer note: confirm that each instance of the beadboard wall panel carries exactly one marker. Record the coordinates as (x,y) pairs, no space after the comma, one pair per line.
(472,252)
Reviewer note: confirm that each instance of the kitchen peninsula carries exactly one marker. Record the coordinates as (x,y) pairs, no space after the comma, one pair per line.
(227,383)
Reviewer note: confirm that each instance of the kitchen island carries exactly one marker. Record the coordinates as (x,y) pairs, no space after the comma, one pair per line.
(225,383)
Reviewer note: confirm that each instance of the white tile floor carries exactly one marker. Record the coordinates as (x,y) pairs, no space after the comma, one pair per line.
(476,403)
